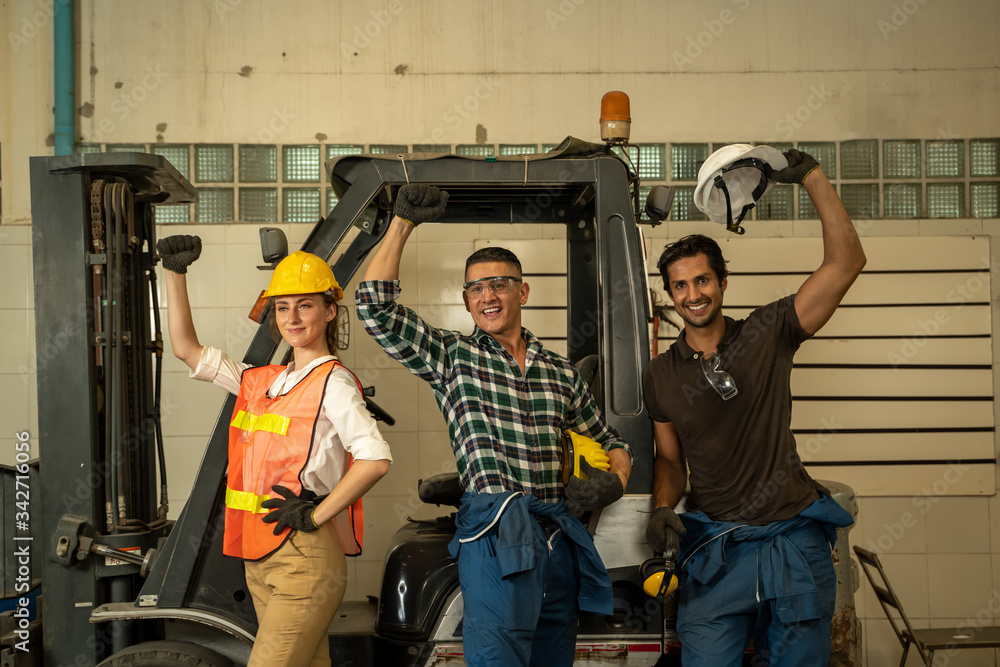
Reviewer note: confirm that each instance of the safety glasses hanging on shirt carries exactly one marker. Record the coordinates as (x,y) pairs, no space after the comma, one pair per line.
(721,381)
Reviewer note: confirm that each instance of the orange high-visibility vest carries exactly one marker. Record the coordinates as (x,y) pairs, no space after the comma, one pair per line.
(270,440)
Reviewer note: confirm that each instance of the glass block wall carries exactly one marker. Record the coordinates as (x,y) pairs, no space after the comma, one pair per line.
(890,178)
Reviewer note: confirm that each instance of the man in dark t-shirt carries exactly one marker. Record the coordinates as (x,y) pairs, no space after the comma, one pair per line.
(755,554)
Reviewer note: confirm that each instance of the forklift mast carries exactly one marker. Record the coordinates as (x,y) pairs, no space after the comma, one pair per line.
(97,409)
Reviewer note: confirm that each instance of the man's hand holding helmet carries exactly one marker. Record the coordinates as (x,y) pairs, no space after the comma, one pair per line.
(600,489)
(589,484)
(578,448)
(799,166)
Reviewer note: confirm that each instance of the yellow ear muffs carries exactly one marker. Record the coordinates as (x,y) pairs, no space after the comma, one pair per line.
(653,572)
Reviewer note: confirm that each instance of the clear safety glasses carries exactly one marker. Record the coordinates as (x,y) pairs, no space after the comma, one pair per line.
(721,381)
(499,285)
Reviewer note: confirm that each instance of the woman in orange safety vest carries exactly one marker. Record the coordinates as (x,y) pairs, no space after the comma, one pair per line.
(303,449)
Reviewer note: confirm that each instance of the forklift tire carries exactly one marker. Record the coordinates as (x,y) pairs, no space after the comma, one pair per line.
(167,654)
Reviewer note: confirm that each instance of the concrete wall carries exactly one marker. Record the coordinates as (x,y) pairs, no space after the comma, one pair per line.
(454,72)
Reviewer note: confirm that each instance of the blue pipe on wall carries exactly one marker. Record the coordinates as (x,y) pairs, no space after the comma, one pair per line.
(65,80)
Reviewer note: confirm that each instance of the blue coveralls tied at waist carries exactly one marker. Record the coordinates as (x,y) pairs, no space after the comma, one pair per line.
(783,570)
(518,536)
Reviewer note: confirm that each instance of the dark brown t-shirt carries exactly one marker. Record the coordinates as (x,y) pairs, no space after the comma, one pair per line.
(740,453)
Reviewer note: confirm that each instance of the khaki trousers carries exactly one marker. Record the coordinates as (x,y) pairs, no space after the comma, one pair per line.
(296,592)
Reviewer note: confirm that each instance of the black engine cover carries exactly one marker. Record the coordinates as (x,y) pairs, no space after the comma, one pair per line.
(419,576)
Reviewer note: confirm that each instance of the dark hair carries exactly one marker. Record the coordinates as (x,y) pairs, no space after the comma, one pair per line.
(331,326)
(493,254)
(689,246)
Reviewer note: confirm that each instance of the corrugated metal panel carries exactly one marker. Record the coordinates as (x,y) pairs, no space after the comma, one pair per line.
(899,386)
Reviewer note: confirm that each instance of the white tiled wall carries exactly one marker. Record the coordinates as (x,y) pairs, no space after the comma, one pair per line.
(940,562)
(18,391)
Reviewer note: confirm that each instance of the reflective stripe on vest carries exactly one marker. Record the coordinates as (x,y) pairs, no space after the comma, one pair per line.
(249,423)
(245,500)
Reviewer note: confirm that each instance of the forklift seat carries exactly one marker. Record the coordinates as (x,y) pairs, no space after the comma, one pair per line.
(590,369)
(926,641)
(442,489)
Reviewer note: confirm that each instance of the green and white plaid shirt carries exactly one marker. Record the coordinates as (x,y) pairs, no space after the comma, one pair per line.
(505,429)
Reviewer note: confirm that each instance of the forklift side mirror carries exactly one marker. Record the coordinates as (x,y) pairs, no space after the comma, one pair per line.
(658,202)
(273,246)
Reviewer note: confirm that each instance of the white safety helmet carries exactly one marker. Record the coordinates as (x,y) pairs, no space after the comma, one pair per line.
(733,178)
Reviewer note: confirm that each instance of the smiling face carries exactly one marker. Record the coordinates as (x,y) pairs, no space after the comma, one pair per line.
(497,314)
(302,320)
(696,290)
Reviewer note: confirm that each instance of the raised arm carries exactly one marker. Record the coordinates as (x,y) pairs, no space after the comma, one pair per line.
(183,339)
(414,204)
(385,263)
(177,253)
(843,256)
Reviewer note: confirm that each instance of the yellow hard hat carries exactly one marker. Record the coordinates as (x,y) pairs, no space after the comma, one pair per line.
(303,273)
(578,447)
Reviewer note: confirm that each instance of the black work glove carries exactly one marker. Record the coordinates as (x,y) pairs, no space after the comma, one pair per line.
(179,251)
(799,166)
(660,521)
(420,203)
(292,512)
(602,489)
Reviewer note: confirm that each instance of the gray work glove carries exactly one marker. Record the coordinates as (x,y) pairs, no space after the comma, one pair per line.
(602,489)
(799,166)
(660,521)
(292,512)
(179,251)
(420,203)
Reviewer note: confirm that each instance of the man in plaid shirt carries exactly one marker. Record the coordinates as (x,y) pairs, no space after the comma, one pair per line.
(526,563)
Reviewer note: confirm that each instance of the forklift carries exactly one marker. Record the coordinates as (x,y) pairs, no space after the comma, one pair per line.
(122,585)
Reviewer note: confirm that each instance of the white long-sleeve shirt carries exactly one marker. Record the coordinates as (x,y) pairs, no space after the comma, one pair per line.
(344,425)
